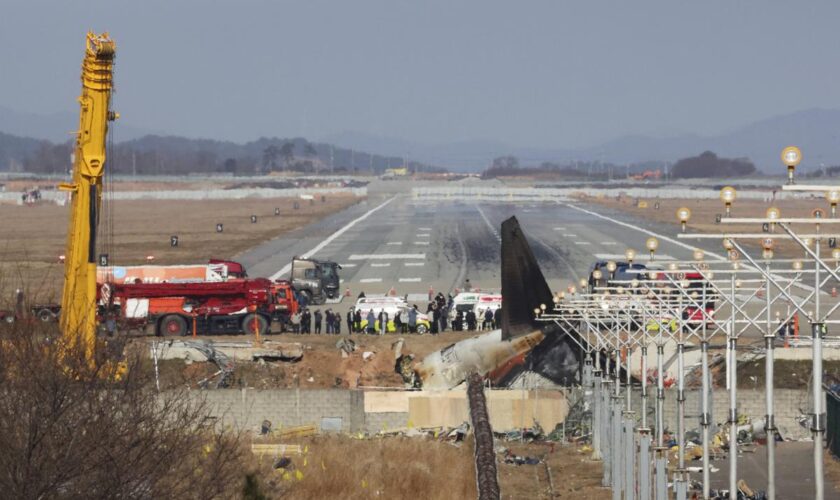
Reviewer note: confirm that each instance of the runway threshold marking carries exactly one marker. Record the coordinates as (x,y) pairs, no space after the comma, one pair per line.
(381,256)
(320,246)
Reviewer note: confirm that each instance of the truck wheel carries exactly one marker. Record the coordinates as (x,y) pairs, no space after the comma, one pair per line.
(421,328)
(249,321)
(46,315)
(173,326)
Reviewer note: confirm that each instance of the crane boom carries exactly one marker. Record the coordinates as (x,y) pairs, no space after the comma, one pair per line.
(78,302)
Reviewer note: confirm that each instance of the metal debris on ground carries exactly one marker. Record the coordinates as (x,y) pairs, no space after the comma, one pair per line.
(346,346)
(510,458)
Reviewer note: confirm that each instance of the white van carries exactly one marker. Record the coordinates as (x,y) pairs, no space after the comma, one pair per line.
(473,301)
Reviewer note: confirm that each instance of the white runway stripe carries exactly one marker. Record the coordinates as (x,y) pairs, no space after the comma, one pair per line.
(383,256)
(409,280)
(370,280)
(559,228)
(424,228)
(394,243)
(570,235)
(381,264)
(415,263)
(288,267)
(641,258)
(347,265)
(609,243)
(421,242)
(582,243)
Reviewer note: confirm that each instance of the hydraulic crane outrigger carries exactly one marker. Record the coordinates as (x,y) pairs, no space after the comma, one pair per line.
(78,302)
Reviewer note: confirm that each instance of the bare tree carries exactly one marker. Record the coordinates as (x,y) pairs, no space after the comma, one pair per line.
(69,430)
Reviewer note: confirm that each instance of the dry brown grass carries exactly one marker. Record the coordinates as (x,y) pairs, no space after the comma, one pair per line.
(34,236)
(397,467)
(573,475)
(400,467)
(832,475)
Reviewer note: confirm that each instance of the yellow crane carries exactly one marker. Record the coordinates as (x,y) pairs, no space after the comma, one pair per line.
(78,302)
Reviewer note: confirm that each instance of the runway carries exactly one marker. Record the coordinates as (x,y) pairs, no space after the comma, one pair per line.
(412,246)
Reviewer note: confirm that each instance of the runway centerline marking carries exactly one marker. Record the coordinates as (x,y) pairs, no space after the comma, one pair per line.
(415,263)
(394,243)
(320,246)
(381,256)
(370,280)
(347,265)
(409,280)
(381,264)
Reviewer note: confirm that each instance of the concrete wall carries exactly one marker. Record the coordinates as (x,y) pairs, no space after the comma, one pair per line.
(247,408)
(199,194)
(357,411)
(790,404)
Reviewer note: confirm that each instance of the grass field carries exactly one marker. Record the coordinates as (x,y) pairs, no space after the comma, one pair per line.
(34,236)
(400,467)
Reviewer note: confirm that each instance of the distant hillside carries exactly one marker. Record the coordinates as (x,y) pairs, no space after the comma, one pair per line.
(153,154)
(55,127)
(815,131)
(14,150)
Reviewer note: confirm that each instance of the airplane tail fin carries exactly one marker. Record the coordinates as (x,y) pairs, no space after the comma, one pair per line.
(524,287)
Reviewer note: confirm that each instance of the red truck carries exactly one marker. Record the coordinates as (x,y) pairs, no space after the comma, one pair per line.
(177,309)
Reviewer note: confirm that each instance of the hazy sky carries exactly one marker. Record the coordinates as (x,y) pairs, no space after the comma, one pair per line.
(531,73)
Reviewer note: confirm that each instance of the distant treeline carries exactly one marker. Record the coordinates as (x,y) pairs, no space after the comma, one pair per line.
(508,166)
(157,155)
(709,164)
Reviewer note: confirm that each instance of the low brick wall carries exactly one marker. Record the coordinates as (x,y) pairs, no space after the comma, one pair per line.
(346,409)
(247,408)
